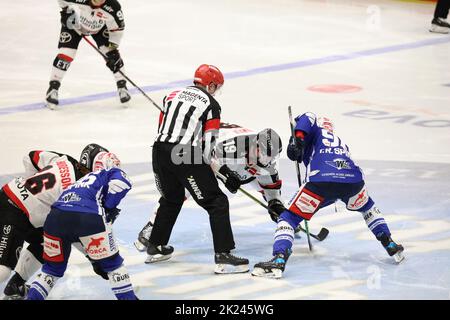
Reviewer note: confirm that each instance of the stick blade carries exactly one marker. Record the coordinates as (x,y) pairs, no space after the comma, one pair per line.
(323,234)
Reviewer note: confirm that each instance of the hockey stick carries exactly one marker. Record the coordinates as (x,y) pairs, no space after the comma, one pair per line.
(123,74)
(299,177)
(320,236)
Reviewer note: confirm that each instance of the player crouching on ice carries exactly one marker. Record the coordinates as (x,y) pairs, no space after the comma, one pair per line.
(85,213)
(241,156)
(332,176)
(104,21)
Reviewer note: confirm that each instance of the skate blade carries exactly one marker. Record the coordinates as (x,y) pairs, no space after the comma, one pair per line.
(51,106)
(13,297)
(228,268)
(399,257)
(441,30)
(158,258)
(274,274)
(139,246)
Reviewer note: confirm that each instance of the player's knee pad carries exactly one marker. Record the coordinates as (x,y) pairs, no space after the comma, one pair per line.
(112,263)
(305,203)
(4,273)
(360,201)
(64,58)
(27,264)
(101,245)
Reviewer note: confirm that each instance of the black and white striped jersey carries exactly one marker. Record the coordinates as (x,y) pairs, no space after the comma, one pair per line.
(190,116)
(235,149)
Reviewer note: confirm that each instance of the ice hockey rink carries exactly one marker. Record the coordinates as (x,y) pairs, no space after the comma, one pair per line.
(371,66)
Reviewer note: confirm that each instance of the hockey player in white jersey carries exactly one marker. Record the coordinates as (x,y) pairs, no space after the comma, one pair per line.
(104,21)
(241,156)
(24,205)
(84,213)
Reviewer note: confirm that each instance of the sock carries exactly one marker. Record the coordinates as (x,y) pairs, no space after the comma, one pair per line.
(284,234)
(120,282)
(41,286)
(375,222)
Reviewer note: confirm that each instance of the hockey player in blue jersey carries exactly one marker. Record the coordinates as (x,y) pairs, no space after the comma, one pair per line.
(84,213)
(331,175)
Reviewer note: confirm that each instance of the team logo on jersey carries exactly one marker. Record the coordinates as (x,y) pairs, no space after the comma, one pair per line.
(339,164)
(65,37)
(70,197)
(105,33)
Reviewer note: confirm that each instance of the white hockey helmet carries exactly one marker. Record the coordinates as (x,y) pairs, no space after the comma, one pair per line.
(325,123)
(105,160)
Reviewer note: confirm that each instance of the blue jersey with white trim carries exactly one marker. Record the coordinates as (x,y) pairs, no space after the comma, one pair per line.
(327,158)
(94,192)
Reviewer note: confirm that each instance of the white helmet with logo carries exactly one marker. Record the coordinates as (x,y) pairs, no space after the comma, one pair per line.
(105,160)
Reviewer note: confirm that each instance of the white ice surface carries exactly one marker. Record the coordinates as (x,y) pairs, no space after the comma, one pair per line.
(397,126)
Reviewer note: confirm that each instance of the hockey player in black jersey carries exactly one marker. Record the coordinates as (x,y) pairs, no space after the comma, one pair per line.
(104,21)
(241,157)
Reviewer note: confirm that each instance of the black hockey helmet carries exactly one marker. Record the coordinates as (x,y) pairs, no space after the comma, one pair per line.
(269,146)
(89,153)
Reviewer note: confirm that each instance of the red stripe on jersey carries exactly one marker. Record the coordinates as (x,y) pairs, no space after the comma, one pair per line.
(276,185)
(36,157)
(172,95)
(161,117)
(65,57)
(212,124)
(16,200)
(300,134)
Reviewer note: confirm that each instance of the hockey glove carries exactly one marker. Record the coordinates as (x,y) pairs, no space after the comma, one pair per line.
(233,181)
(113,60)
(276,207)
(295,149)
(112,214)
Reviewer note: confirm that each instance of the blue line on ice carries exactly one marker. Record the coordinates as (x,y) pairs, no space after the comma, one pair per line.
(240,74)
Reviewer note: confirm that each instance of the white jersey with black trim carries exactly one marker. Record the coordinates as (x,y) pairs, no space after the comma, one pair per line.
(35,194)
(88,20)
(232,150)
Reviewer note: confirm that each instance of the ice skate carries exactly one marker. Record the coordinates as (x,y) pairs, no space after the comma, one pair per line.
(393,249)
(273,268)
(52,95)
(16,289)
(439,25)
(123,92)
(142,242)
(158,253)
(228,263)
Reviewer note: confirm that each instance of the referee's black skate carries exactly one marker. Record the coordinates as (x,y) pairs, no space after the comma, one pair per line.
(228,263)
(158,253)
(122,90)
(439,25)
(142,241)
(16,289)
(393,249)
(273,268)
(52,95)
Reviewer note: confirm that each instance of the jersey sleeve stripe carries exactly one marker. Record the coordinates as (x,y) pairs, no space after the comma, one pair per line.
(16,200)
(35,157)
(212,124)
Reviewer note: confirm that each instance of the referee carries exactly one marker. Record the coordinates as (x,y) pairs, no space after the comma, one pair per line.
(187,132)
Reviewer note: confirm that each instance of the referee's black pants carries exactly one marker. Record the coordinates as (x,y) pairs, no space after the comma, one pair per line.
(442,9)
(199,179)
